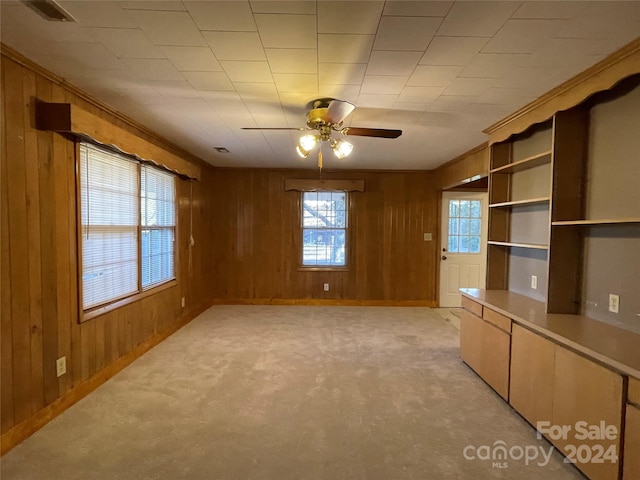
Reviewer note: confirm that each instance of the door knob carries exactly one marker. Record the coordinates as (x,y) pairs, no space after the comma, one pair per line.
(444,257)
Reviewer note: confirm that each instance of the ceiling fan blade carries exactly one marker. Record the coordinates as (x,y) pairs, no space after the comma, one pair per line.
(337,111)
(371,132)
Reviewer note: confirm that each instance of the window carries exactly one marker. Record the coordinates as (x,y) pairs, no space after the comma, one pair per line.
(324,228)
(464,226)
(122,201)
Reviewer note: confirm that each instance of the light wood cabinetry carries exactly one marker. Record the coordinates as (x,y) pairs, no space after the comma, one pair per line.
(631,465)
(532,363)
(586,395)
(486,348)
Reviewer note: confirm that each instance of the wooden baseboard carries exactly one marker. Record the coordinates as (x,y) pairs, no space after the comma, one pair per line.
(25,429)
(325,301)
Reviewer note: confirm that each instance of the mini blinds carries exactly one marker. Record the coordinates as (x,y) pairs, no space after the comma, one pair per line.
(109,202)
(128,226)
(157,205)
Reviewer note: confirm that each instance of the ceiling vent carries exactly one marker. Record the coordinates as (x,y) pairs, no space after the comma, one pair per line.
(50,10)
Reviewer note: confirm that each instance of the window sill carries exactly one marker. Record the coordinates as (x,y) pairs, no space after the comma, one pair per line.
(323,269)
(97,311)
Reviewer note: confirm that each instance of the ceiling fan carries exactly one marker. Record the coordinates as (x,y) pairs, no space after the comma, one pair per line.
(326,115)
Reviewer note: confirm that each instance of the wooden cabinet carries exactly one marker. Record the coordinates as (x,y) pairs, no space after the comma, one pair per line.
(584,391)
(486,349)
(531,385)
(631,461)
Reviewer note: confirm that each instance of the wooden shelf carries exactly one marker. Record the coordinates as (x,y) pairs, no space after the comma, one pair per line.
(519,245)
(524,164)
(518,203)
(602,221)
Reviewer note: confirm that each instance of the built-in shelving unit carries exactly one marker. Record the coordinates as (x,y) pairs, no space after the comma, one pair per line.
(565,207)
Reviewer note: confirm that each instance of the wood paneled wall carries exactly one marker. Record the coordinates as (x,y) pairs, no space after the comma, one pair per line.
(470,164)
(39,308)
(256,240)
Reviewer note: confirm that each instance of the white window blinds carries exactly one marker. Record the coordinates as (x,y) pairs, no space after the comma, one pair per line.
(109,204)
(158,224)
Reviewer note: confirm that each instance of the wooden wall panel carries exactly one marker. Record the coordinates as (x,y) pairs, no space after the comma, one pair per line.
(256,238)
(470,164)
(39,271)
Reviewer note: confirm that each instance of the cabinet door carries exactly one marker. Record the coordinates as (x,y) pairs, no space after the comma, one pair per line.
(632,444)
(470,339)
(531,383)
(587,392)
(495,355)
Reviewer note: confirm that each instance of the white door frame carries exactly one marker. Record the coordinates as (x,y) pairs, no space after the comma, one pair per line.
(445,298)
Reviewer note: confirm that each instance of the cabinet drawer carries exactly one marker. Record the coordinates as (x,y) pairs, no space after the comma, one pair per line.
(634,391)
(497,319)
(470,339)
(470,305)
(631,466)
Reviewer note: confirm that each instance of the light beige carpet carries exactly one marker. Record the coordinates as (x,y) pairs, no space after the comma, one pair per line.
(279,393)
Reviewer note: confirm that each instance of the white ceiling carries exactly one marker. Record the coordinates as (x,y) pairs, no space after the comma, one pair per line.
(197,71)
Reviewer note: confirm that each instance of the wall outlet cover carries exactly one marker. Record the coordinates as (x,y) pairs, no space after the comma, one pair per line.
(614,303)
(326,287)
(534,282)
(61,366)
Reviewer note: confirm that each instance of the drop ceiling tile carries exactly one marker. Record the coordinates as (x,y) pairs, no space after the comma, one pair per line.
(235,45)
(257,91)
(383,84)
(292,60)
(209,80)
(248,71)
(291,82)
(168,28)
(348,93)
(341,73)
(153,5)
(411,106)
(349,17)
(142,95)
(90,55)
(222,16)
(374,100)
(174,89)
(552,9)
(98,14)
(192,59)
(476,19)
(450,103)
(452,50)
(287,31)
(299,7)
(495,65)
(470,86)
(558,52)
(405,33)
(420,94)
(522,36)
(393,63)
(440,119)
(153,69)
(417,9)
(344,48)
(126,42)
(433,75)
(537,80)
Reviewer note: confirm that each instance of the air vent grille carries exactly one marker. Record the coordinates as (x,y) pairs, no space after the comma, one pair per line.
(49,10)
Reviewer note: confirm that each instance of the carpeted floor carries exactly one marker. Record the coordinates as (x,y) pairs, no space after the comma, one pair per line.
(279,393)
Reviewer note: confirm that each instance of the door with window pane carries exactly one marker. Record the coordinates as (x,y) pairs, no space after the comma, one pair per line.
(463,244)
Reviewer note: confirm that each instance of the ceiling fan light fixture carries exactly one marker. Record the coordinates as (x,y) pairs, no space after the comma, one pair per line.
(341,148)
(308,142)
(302,152)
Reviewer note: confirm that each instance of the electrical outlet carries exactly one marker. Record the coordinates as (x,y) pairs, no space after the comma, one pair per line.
(428,237)
(182,302)
(534,282)
(61,366)
(614,303)
(326,287)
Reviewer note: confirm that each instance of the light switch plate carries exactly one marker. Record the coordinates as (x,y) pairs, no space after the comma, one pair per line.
(534,282)
(428,237)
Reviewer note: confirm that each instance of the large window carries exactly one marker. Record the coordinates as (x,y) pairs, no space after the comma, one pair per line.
(128,226)
(324,229)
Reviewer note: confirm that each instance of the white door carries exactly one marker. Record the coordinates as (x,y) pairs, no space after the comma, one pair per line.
(463,256)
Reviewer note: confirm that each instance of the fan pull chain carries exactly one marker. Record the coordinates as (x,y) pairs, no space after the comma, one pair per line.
(320,160)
